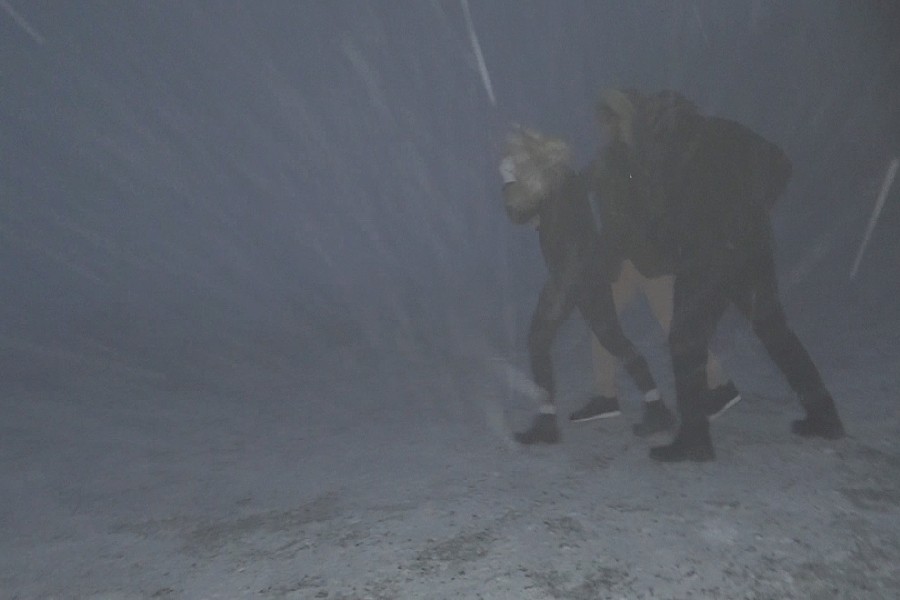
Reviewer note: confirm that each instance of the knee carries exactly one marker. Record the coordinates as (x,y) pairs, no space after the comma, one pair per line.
(616,344)
(770,326)
(684,348)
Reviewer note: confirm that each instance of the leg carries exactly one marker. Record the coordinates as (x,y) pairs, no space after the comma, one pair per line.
(605,364)
(596,305)
(604,403)
(760,303)
(554,306)
(700,298)
(658,292)
(656,416)
(598,310)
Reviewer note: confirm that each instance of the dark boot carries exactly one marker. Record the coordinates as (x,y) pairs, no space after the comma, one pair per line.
(692,442)
(543,430)
(821,420)
(657,418)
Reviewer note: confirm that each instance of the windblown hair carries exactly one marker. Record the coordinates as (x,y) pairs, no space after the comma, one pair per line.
(540,161)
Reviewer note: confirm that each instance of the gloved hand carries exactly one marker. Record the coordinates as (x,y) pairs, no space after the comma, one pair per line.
(508,170)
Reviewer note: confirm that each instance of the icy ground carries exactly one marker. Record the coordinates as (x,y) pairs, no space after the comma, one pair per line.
(279,475)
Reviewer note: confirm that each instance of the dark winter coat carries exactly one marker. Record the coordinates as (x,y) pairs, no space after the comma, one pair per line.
(628,210)
(567,231)
(720,181)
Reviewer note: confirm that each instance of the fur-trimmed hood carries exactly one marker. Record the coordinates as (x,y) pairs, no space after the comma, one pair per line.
(624,105)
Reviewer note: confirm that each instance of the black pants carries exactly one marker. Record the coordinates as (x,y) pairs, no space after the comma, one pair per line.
(704,289)
(593,298)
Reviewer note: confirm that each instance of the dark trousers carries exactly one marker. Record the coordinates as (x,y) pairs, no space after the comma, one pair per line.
(704,289)
(593,299)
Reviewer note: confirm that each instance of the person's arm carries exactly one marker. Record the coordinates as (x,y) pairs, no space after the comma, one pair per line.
(572,237)
(610,190)
(520,205)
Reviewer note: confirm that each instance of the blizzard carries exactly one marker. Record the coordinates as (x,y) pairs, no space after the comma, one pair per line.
(263,328)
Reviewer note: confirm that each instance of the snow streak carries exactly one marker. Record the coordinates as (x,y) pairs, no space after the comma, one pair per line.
(879,204)
(476,47)
(21,22)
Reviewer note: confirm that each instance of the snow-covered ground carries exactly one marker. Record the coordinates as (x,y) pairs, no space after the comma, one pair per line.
(353,478)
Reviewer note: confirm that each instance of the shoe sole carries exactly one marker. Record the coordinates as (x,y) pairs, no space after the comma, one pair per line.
(607,415)
(722,410)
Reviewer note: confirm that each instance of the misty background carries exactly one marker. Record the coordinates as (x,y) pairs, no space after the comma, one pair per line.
(189,186)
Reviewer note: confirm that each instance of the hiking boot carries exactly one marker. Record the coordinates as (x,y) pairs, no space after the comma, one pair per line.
(692,442)
(821,420)
(657,418)
(719,400)
(598,407)
(543,430)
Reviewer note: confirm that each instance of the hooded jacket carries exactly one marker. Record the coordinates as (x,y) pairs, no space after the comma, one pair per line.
(720,181)
(629,211)
(570,243)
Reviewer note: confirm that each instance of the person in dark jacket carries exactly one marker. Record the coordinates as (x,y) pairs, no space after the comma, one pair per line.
(720,181)
(626,208)
(540,187)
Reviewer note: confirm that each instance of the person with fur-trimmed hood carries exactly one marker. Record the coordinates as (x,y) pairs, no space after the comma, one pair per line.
(628,208)
(719,182)
(541,188)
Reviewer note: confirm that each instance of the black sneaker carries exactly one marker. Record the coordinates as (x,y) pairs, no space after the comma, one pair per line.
(657,418)
(721,399)
(692,442)
(598,407)
(543,430)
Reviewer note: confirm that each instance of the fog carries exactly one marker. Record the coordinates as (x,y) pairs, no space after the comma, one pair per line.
(215,200)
